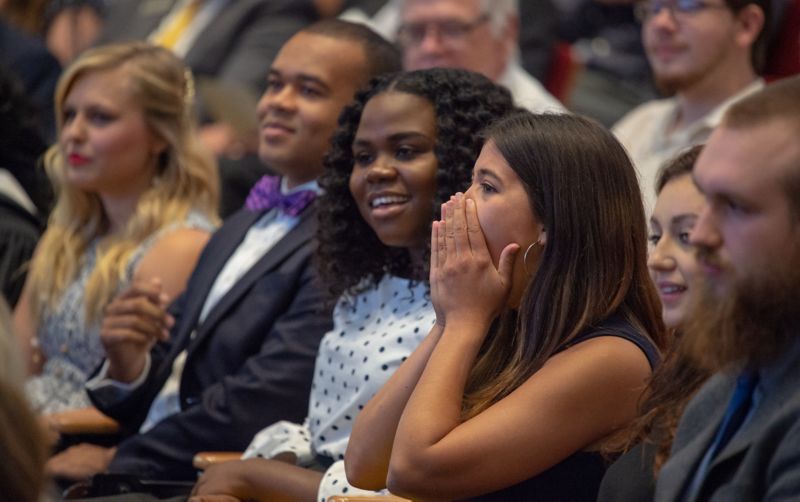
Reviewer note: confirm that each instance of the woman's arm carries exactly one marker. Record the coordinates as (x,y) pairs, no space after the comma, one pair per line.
(25,326)
(370,444)
(172,259)
(580,396)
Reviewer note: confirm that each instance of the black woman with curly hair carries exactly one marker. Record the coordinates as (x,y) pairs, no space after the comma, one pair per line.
(405,145)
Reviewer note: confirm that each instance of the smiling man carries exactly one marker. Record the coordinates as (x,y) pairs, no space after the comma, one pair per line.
(237,352)
(739,438)
(706,54)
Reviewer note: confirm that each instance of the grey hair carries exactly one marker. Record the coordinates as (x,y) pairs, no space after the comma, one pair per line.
(498,10)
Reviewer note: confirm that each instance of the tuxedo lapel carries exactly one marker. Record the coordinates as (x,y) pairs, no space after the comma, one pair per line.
(297,237)
(230,235)
(677,474)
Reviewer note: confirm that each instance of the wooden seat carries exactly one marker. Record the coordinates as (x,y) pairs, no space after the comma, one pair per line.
(83,421)
(367,498)
(205,459)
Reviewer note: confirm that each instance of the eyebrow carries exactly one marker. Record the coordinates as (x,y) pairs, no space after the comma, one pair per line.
(396,137)
(682,219)
(482,171)
(301,77)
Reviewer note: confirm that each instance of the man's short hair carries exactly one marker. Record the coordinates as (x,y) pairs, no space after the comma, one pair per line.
(499,11)
(758,52)
(381,55)
(779,101)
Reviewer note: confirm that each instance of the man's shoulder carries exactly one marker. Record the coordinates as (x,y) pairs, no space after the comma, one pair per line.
(643,115)
(529,92)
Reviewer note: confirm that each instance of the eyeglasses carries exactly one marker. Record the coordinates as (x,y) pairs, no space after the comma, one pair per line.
(678,9)
(451,32)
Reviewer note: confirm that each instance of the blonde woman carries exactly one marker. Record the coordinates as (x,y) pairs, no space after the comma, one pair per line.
(136,200)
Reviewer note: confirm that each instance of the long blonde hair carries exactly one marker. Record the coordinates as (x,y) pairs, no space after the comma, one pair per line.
(186,178)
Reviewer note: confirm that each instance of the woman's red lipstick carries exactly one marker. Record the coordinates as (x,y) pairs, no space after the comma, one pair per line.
(75,159)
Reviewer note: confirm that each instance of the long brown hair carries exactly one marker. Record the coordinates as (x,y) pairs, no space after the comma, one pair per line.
(677,378)
(582,186)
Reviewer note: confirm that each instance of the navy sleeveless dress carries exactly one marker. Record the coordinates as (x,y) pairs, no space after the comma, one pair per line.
(576,478)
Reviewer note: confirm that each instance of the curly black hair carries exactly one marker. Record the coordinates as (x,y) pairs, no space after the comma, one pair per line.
(350,256)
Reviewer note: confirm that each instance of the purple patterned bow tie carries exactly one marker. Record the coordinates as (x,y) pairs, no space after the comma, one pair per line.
(266,194)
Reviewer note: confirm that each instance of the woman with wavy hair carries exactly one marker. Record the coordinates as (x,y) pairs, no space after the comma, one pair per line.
(547,327)
(136,200)
(673,267)
(405,145)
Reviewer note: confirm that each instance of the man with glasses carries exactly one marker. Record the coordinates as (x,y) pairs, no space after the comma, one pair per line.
(706,54)
(477,35)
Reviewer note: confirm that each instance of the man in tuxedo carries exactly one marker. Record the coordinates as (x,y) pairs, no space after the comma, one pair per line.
(236,351)
(739,438)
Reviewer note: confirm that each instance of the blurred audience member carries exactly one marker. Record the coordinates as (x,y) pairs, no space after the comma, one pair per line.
(21,183)
(477,35)
(67,27)
(37,70)
(136,199)
(708,54)
(230,41)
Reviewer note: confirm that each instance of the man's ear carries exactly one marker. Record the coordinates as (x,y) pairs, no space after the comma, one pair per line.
(750,21)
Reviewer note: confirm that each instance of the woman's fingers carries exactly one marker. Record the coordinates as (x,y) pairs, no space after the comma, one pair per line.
(477,241)
(506,266)
(449,230)
(460,226)
(434,246)
(442,238)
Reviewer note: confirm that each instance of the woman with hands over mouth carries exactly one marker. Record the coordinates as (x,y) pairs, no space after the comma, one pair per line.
(547,327)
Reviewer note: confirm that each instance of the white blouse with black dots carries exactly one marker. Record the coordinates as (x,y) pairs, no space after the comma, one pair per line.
(373,333)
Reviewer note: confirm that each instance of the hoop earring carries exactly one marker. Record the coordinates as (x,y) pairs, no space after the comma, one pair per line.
(525,257)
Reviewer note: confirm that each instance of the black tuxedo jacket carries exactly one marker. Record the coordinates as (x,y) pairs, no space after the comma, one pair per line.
(248,364)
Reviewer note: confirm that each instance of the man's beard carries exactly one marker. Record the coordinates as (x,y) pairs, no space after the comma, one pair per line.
(751,325)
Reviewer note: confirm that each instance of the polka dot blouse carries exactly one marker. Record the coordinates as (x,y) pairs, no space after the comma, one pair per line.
(373,333)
